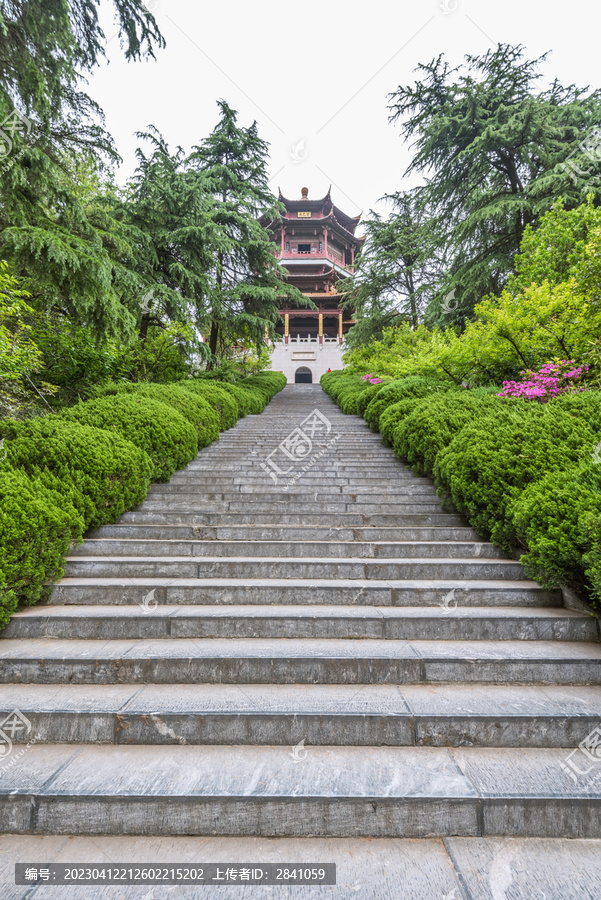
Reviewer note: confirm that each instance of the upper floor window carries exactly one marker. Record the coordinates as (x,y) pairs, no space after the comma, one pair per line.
(304,248)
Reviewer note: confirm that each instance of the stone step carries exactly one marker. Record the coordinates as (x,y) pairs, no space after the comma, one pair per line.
(125,546)
(344,484)
(143,516)
(232,789)
(288,534)
(300,494)
(296,661)
(368,867)
(252,655)
(283,505)
(266,592)
(346,622)
(338,715)
(282,567)
(246,468)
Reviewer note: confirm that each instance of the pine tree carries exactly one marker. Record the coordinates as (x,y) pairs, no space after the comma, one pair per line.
(396,271)
(46,45)
(493,150)
(170,204)
(247,286)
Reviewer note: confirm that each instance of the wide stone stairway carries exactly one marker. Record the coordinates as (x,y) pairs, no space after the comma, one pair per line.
(328,655)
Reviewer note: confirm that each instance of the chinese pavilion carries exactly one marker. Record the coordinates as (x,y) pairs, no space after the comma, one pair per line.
(316,244)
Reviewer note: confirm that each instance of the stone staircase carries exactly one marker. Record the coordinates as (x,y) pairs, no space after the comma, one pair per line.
(337,657)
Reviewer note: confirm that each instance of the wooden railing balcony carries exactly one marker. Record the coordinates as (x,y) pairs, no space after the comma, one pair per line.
(318,254)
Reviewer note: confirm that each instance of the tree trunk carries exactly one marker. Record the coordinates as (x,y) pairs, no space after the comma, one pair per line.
(213,338)
(144,323)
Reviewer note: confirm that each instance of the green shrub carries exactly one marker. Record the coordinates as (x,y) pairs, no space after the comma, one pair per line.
(585,406)
(367,395)
(163,433)
(401,389)
(218,397)
(249,402)
(337,382)
(103,473)
(266,383)
(392,416)
(37,526)
(487,465)
(558,519)
(435,421)
(193,407)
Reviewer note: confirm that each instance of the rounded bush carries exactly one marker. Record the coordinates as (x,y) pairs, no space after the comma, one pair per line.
(585,406)
(558,518)
(163,433)
(37,525)
(392,416)
(104,473)
(249,402)
(487,465)
(367,395)
(401,389)
(267,383)
(218,397)
(435,421)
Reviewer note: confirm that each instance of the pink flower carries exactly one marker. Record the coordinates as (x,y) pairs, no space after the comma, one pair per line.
(548,382)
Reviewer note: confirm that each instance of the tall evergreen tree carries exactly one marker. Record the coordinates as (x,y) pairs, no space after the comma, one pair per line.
(494,150)
(171,205)
(46,45)
(76,256)
(247,281)
(396,271)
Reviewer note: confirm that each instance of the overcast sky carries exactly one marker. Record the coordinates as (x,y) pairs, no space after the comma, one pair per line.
(316,76)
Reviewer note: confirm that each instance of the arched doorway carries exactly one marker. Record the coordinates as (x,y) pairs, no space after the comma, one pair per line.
(303,376)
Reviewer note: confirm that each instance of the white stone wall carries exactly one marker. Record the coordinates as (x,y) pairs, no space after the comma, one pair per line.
(287,358)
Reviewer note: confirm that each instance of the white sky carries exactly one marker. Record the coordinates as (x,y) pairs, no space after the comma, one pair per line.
(315,77)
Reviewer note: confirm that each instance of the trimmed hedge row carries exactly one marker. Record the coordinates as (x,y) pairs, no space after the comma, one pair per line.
(64,473)
(525,474)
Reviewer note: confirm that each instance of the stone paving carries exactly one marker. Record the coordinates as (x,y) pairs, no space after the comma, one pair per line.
(291,651)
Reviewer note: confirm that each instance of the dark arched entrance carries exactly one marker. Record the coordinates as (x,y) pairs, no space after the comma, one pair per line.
(303,376)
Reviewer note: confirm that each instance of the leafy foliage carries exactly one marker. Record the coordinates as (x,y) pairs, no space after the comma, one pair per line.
(529,326)
(493,146)
(103,473)
(37,526)
(163,433)
(526,474)
(247,282)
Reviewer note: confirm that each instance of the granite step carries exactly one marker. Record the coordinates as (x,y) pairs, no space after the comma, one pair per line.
(245,493)
(295,661)
(302,621)
(161,516)
(138,546)
(333,592)
(266,533)
(273,791)
(450,868)
(281,504)
(412,569)
(337,715)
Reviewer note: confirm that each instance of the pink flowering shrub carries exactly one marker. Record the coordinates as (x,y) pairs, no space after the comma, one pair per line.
(373,379)
(553,379)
